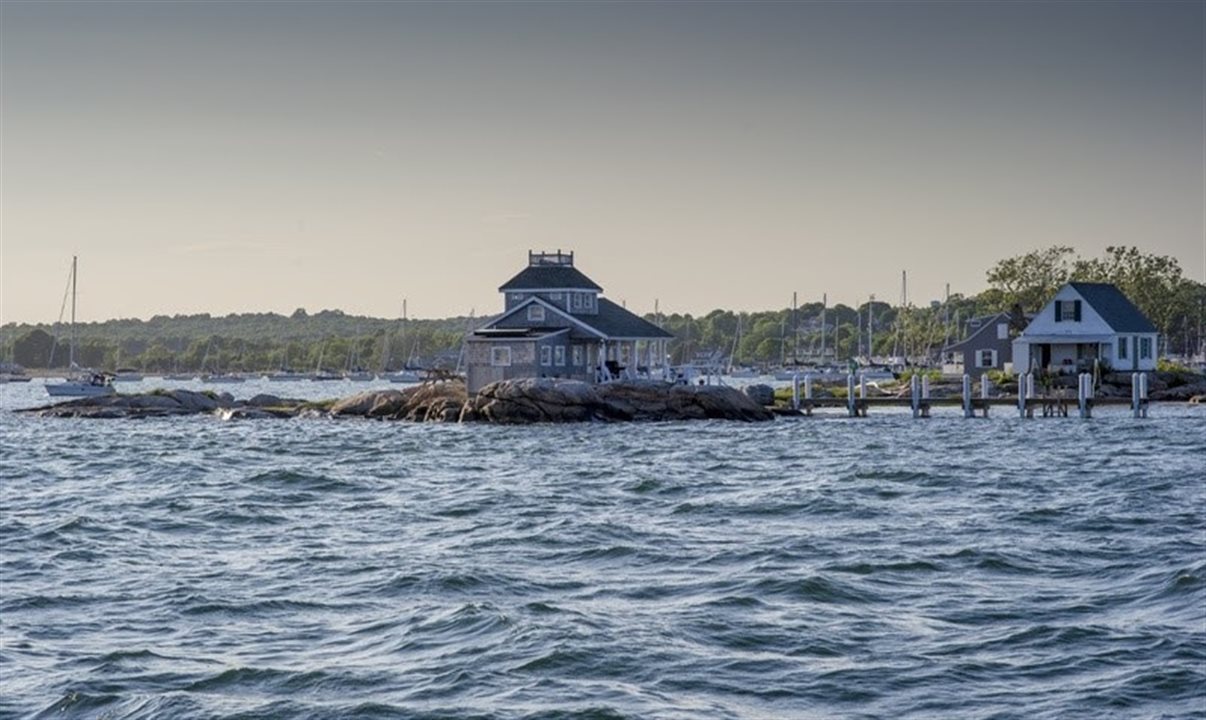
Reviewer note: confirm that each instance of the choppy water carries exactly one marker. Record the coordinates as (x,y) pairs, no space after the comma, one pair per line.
(879,567)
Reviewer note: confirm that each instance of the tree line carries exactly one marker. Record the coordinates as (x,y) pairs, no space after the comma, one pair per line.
(330,339)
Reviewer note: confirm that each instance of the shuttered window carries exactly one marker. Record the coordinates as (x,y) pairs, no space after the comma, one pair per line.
(1067,311)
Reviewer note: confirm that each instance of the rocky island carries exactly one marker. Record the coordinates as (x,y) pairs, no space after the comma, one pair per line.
(520,401)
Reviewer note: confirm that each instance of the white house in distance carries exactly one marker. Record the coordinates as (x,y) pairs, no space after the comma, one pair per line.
(1083,323)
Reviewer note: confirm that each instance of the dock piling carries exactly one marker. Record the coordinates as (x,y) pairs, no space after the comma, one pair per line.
(967,397)
(915,394)
(851,400)
(795,391)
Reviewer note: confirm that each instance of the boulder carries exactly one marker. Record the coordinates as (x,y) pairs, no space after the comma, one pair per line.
(377,402)
(194,401)
(761,394)
(1181,393)
(532,400)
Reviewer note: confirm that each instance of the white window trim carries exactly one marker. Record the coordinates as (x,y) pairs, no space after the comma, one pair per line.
(559,355)
(546,356)
(500,356)
(577,356)
(536,313)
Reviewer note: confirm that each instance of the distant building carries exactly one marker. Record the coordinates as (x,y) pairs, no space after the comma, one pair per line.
(556,324)
(1083,324)
(988,345)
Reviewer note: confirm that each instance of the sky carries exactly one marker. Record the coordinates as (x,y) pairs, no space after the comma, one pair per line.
(250,157)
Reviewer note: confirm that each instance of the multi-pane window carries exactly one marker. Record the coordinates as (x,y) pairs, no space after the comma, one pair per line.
(1145,348)
(986,358)
(500,356)
(546,355)
(577,301)
(1067,311)
(536,313)
(559,355)
(1122,348)
(577,355)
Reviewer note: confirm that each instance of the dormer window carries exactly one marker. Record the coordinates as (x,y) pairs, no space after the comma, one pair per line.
(588,300)
(578,301)
(1067,311)
(516,297)
(536,313)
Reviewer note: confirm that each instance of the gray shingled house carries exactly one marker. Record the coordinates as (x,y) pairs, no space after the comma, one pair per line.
(555,324)
(988,345)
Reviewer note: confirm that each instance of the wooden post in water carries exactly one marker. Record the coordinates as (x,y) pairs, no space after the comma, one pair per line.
(1143,394)
(851,401)
(967,397)
(985,391)
(795,391)
(915,394)
(1135,395)
(925,396)
(1084,394)
(808,392)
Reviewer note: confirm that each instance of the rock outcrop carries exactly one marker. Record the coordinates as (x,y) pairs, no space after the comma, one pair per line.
(531,400)
(507,402)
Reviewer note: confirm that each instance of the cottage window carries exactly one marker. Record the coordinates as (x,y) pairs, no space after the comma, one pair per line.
(577,355)
(559,355)
(500,356)
(986,359)
(536,313)
(516,297)
(1122,348)
(578,301)
(589,301)
(1145,348)
(546,356)
(1067,311)
(1002,331)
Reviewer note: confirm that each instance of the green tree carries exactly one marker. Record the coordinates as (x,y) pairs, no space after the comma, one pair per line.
(1031,279)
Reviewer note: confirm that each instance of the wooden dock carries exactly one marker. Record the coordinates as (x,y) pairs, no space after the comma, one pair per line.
(1028,402)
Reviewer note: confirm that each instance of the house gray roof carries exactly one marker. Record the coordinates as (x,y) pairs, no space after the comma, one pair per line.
(549,277)
(616,321)
(984,323)
(1114,307)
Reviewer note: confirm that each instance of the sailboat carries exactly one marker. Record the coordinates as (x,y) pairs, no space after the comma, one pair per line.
(405,375)
(81,383)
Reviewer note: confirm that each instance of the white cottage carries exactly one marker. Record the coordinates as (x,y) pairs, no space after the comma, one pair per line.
(1084,323)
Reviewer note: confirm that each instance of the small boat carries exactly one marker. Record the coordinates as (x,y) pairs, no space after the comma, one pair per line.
(402,376)
(127,375)
(180,376)
(91,385)
(359,376)
(13,378)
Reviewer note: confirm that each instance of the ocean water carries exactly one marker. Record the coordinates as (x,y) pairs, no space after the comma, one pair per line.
(828,567)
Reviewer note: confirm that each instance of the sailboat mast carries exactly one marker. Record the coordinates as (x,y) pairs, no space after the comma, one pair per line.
(824,305)
(71,352)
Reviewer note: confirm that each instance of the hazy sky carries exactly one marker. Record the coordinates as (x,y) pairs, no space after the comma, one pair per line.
(228,157)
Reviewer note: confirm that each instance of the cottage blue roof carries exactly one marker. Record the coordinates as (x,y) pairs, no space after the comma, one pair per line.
(1114,307)
(550,277)
(616,321)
